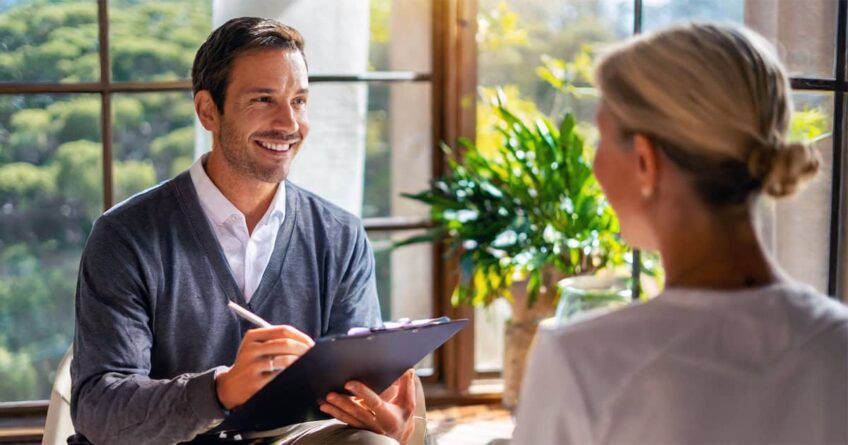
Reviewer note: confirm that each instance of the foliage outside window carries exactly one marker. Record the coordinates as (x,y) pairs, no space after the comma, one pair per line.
(51,181)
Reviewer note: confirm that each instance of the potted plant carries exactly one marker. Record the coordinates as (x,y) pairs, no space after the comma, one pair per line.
(518,217)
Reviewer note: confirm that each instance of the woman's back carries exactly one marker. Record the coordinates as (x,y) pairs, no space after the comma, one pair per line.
(764,365)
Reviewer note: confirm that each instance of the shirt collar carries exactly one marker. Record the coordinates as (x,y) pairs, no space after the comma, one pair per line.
(277,208)
(218,208)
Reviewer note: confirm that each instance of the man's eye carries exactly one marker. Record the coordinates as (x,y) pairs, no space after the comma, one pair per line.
(300,101)
(264,99)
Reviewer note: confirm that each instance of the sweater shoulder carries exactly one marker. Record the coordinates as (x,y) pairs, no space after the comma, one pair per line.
(153,209)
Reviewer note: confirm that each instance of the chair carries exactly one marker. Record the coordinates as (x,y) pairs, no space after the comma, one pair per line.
(58,426)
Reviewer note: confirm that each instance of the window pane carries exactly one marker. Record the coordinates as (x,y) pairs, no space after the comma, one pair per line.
(404,280)
(658,14)
(49,42)
(802,31)
(351,37)
(801,230)
(400,36)
(156,40)
(398,149)
(516,38)
(153,139)
(50,193)
(368,143)
(489,330)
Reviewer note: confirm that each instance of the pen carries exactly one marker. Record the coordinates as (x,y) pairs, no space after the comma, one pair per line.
(249,316)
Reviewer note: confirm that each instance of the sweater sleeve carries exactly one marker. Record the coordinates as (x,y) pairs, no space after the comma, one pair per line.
(113,399)
(355,302)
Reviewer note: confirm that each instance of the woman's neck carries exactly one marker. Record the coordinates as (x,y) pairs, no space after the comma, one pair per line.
(715,250)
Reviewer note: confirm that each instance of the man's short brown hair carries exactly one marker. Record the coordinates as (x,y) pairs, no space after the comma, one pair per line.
(214,59)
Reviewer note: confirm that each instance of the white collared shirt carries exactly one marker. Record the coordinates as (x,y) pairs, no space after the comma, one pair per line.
(248,254)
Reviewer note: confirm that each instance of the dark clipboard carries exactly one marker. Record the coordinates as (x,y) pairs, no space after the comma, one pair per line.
(377,359)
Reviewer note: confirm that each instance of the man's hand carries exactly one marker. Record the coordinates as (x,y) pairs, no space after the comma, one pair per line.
(263,353)
(389,413)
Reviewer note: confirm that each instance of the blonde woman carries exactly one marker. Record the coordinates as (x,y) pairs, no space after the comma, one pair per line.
(693,127)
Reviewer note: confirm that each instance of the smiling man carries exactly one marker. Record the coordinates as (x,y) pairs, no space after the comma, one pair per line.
(158,356)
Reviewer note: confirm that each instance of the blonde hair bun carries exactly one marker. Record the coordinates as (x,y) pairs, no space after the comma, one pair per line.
(718,99)
(792,165)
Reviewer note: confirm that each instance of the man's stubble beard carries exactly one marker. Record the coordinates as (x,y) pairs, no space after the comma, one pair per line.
(237,153)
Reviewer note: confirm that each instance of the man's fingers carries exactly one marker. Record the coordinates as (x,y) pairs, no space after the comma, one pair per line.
(406,382)
(281,362)
(374,402)
(368,396)
(295,334)
(278,346)
(360,413)
(341,415)
(282,346)
(405,396)
(277,332)
(390,393)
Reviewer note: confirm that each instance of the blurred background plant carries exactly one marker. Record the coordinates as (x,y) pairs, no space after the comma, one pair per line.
(513,210)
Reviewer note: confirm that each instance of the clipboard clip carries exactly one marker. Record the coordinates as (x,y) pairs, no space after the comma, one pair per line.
(403,323)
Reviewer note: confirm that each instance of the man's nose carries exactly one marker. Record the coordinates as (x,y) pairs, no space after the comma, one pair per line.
(286,119)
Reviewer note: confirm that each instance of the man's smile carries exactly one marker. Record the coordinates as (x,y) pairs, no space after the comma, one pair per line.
(278,146)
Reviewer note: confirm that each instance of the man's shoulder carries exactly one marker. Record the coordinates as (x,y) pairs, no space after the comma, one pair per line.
(146,207)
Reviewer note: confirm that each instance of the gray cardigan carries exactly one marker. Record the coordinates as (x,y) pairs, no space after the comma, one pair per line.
(152,323)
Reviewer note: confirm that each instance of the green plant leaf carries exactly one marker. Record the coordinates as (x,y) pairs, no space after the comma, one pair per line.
(528,203)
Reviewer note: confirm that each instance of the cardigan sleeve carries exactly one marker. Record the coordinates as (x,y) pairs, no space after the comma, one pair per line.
(113,399)
(355,302)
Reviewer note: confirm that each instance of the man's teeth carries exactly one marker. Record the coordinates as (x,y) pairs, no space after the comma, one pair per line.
(276,147)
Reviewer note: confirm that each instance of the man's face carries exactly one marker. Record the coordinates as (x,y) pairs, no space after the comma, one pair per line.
(264,121)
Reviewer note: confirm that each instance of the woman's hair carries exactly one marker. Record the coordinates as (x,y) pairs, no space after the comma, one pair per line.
(716,100)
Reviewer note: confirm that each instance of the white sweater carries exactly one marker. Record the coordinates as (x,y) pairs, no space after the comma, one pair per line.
(765,365)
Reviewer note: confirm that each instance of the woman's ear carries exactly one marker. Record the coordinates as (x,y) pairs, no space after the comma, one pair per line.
(206,110)
(647,171)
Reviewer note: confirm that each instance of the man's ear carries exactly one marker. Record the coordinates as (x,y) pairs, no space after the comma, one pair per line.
(647,171)
(206,110)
